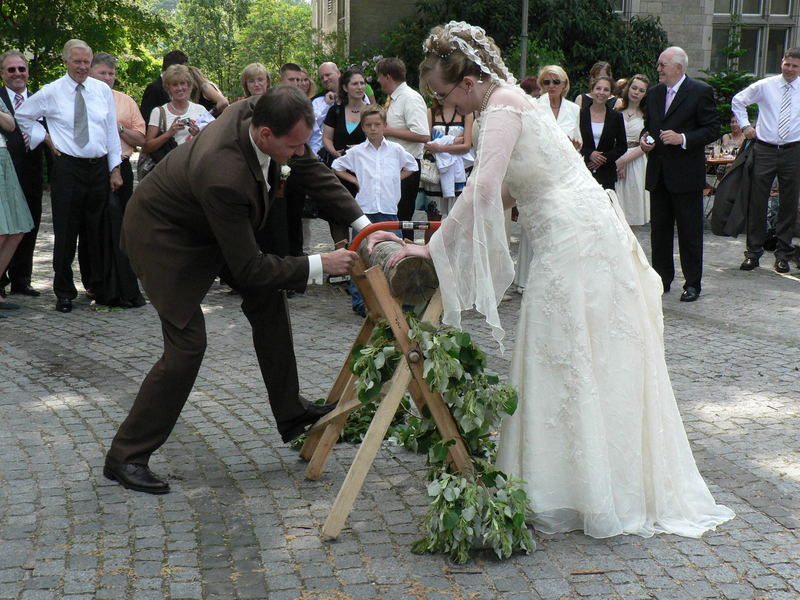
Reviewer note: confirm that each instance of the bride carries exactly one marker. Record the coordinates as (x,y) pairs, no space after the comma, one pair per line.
(597,434)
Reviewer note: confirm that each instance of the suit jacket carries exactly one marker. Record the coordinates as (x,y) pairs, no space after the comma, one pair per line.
(732,197)
(693,113)
(199,210)
(612,144)
(27,163)
(154,95)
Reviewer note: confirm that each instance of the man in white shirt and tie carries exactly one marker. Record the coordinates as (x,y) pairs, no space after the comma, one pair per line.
(776,152)
(28,166)
(82,123)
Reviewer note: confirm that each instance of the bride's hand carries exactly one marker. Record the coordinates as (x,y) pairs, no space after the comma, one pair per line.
(381,236)
(410,249)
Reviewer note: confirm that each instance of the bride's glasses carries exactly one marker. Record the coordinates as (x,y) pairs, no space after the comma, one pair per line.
(439,97)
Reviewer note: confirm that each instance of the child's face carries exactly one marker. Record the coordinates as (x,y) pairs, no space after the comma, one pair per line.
(373,127)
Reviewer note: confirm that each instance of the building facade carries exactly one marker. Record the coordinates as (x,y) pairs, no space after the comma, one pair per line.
(703,29)
(362,22)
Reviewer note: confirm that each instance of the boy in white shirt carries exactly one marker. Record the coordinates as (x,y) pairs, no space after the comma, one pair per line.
(376,167)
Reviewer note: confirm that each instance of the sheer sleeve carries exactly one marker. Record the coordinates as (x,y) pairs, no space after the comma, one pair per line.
(470,250)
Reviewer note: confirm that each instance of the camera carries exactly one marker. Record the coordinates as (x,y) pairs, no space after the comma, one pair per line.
(185,120)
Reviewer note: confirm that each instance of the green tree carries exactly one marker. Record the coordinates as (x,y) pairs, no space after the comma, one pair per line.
(580,31)
(276,32)
(207,31)
(39,28)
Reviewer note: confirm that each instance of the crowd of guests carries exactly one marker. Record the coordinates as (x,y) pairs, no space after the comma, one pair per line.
(405,156)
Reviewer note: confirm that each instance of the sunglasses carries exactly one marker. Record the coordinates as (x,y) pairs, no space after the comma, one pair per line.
(15,69)
(549,81)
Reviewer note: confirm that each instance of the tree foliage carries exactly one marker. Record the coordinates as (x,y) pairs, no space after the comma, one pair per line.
(579,32)
(39,28)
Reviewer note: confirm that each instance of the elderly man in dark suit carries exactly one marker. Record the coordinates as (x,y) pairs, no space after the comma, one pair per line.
(197,214)
(680,119)
(28,166)
(154,94)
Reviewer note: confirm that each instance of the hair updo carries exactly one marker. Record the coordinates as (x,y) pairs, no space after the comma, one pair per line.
(442,49)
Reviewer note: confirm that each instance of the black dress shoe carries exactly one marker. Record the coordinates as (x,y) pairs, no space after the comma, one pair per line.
(8,306)
(2,292)
(749,264)
(298,425)
(781,265)
(134,476)
(64,305)
(690,294)
(25,291)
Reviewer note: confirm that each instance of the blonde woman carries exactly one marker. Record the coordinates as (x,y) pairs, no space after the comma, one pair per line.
(255,79)
(554,84)
(207,93)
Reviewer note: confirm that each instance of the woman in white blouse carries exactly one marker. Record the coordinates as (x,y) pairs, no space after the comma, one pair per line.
(554,83)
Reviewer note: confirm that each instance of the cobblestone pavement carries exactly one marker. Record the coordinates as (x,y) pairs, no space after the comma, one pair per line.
(242,522)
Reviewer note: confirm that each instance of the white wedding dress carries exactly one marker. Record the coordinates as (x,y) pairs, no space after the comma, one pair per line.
(597,435)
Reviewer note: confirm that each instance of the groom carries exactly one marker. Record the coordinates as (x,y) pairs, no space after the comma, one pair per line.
(198,213)
(681,118)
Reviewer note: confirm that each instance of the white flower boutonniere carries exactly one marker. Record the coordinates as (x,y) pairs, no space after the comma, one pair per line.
(286,170)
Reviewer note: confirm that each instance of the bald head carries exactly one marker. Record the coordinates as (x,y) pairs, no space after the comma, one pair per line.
(672,65)
(329,76)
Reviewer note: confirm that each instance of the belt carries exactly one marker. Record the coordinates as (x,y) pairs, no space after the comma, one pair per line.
(88,161)
(778,146)
(633,144)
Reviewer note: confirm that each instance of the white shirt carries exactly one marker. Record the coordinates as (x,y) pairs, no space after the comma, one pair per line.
(408,111)
(315,274)
(56,102)
(675,88)
(568,116)
(378,173)
(196,112)
(11,93)
(768,94)
(320,111)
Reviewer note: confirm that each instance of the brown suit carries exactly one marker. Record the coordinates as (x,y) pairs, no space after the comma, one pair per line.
(196,214)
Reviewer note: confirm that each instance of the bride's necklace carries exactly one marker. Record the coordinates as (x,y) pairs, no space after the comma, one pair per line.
(485,101)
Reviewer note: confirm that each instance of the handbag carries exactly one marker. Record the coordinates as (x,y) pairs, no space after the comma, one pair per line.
(147,162)
(429,172)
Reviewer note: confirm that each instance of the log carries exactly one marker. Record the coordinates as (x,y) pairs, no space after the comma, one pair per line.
(412,280)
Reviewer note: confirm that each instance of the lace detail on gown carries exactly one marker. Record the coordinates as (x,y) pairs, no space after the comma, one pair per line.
(597,434)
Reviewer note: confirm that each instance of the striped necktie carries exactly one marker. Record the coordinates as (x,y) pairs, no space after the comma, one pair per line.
(785,115)
(18,100)
(81,122)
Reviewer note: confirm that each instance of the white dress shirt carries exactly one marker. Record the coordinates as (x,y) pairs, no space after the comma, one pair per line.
(56,102)
(675,89)
(408,111)
(378,173)
(315,274)
(768,94)
(320,111)
(11,94)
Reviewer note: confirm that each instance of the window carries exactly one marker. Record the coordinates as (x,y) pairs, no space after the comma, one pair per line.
(722,7)
(330,7)
(768,27)
(619,6)
(776,46)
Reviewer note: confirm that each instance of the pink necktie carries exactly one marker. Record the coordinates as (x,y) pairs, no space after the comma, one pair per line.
(670,97)
(18,100)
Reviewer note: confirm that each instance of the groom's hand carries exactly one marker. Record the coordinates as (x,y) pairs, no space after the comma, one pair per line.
(338,262)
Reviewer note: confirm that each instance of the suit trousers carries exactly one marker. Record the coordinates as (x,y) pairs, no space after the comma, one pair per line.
(167,386)
(767,164)
(685,210)
(80,189)
(409,188)
(20,269)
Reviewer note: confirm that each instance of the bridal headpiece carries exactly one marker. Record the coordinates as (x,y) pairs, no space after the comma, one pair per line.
(473,42)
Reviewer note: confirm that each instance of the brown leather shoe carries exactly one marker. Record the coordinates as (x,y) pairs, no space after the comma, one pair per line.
(134,476)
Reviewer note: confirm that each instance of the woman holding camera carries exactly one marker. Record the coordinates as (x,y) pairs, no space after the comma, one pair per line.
(180,118)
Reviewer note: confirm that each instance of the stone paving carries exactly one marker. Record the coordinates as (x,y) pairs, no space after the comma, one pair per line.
(242,522)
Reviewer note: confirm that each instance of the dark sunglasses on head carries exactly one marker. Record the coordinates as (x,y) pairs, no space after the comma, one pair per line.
(15,69)
(549,81)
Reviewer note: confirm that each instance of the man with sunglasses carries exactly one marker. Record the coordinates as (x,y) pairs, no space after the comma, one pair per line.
(28,165)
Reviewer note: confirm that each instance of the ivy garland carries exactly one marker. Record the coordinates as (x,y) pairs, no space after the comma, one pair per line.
(485,509)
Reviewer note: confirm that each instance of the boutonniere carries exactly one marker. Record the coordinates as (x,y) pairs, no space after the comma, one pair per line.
(286,170)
